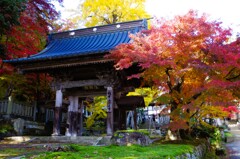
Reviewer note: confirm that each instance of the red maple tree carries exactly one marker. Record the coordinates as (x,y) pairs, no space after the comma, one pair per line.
(25,39)
(191,58)
(29,37)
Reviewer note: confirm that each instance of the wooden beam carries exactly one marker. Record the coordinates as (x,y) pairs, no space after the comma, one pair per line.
(49,64)
(85,93)
(80,83)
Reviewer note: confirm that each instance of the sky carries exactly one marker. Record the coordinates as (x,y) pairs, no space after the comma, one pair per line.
(226,11)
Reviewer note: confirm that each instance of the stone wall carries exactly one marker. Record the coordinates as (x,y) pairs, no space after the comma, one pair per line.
(198,152)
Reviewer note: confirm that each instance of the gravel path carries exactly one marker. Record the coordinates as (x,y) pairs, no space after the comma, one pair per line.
(234,147)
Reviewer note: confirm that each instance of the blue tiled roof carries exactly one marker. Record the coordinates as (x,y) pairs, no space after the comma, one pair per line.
(86,41)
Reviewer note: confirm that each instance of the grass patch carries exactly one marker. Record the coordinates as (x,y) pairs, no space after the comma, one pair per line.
(160,150)
(5,128)
(120,152)
(228,134)
(18,151)
(4,153)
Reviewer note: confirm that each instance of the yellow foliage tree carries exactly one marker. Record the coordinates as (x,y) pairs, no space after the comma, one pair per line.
(100,12)
(149,94)
(98,109)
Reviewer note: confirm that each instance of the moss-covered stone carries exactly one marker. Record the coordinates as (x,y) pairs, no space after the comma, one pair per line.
(131,137)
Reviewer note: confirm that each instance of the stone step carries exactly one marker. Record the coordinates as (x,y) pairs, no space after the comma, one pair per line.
(85,140)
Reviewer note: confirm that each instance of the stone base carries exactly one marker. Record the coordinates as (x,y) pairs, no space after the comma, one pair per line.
(129,138)
(56,134)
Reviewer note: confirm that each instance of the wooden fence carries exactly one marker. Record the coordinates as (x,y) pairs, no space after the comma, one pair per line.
(14,109)
(17,109)
(4,107)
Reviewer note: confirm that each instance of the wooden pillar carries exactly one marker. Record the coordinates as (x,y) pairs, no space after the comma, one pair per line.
(57,113)
(75,116)
(69,117)
(71,129)
(135,118)
(110,102)
(80,119)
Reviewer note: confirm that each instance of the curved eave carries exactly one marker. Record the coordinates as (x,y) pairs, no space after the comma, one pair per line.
(57,66)
(57,57)
(79,46)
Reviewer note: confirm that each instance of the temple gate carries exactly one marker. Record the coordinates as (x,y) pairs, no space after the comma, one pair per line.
(75,59)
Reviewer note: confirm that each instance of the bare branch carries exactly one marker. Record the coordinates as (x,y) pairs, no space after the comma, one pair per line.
(169,79)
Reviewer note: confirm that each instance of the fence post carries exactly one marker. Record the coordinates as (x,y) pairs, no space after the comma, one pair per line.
(10,105)
(34,111)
